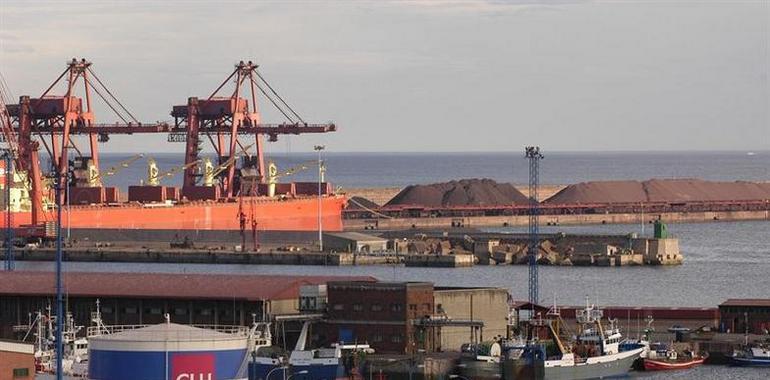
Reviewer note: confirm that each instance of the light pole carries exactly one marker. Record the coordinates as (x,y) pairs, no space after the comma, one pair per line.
(319,148)
(59,301)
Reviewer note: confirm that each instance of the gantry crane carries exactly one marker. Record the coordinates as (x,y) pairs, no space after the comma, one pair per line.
(52,120)
(222,119)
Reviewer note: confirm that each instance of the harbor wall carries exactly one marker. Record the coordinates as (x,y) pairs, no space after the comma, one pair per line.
(523,220)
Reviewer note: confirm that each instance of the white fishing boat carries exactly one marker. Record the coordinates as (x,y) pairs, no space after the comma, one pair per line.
(594,354)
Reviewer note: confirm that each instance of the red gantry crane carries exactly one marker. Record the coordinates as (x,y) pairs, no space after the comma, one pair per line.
(223,120)
(52,120)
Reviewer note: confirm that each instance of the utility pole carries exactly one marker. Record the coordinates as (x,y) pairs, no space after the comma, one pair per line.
(8,159)
(319,148)
(532,153)
(59,299)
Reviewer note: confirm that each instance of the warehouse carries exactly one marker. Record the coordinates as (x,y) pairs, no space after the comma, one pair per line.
(745,315)
(143,298)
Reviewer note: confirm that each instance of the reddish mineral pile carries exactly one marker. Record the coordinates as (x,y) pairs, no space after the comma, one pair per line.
(660,190)
(466,192)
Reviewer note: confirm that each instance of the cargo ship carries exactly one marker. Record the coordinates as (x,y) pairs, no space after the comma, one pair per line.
(236,190)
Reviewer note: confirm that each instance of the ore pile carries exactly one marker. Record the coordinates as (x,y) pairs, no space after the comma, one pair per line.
(660,190)
(466,192)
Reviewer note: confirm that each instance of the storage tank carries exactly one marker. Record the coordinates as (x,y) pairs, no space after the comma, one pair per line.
(167,351)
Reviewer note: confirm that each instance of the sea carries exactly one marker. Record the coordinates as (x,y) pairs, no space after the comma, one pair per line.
(722,259)
(367,170)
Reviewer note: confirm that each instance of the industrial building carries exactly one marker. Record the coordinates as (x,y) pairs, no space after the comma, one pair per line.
(354,242)
(404,317)
(742,315)
(17,361)
(487,305)
(143,298)
(379,313)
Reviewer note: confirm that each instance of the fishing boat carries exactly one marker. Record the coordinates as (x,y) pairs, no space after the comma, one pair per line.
(340,361)
(265,358)
(661,358)
(595,352)
(43,328)
(488,360)
(751,356)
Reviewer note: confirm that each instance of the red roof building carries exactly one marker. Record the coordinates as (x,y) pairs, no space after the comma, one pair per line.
(143,298)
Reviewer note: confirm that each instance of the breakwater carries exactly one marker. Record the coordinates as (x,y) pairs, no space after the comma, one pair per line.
(574,219)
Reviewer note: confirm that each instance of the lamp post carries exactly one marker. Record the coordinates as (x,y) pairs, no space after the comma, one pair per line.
(319,148)
(59,301)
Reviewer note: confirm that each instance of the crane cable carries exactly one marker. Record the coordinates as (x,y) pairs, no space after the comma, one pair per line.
(279,96)
(111,95)
(272,101)
(96,90)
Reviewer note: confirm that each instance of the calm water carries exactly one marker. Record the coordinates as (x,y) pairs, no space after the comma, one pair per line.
(401,169)
(722,260)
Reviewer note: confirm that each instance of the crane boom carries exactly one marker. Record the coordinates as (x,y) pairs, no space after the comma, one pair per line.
(154,180)
(115,169)
(209,175)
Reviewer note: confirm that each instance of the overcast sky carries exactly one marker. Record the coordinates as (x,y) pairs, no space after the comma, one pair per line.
(427,75)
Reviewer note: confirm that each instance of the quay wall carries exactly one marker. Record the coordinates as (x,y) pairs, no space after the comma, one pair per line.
(201,257)
(522,220)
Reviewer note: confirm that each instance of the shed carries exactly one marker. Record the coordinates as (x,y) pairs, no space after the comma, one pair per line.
(745,315)
(354,242)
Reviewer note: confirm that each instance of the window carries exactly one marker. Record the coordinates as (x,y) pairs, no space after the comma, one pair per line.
(106,310)
(204,312)
(376,307)
(20,372)
(398,338)
(412,306)
(153,310)
(130,310)
(358,307)
(338,307)
(180,311)
(396,307)
(376,338)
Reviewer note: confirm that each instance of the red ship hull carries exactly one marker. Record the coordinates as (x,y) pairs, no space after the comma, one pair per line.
(664,365)
(270,214)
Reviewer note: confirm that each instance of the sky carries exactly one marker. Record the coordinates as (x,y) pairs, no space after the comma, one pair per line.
(423,76)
